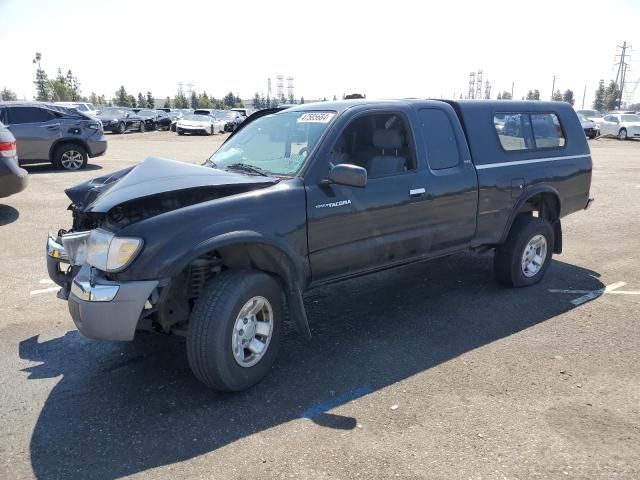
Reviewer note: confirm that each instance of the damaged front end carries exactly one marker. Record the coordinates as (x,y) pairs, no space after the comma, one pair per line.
(79,260)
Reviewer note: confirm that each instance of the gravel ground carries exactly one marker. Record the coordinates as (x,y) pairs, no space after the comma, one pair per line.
(430,371)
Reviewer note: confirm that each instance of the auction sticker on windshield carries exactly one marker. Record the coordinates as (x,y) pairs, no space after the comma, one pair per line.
(316,117)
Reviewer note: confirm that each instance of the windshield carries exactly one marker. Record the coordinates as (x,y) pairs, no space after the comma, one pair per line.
(146,113)
(276,144)
(112,111)
(630,118)
(197,118)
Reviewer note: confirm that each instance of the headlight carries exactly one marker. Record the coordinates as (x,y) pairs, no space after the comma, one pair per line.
(109,253)
(95,125)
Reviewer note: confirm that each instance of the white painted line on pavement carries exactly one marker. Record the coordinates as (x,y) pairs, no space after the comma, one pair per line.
(593,294)
(44,290)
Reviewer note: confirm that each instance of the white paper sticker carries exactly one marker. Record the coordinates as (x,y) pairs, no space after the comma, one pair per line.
(316,117)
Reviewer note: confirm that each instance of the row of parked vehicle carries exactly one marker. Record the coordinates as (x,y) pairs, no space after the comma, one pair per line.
(622,125)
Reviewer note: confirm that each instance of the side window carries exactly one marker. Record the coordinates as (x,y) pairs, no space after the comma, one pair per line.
(29,115)
(547,130)
(514,131)
(382,143)
(3,116)
(440,139)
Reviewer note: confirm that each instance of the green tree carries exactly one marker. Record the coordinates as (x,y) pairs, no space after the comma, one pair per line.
(7,94)
(180,100)
(151,102)
(499,96)
(506,95)
(567,96)
(59,89)
(335,98)
(93,98)
(291,98)
(238,102)
(73,85)
(103,101)
(141,102)
(204,101)
(132,101)
(121,98)
(598,100)
(229,100)
(167,102)
(256,101)
(268,103)
(301,100)
(532,95)
(43,89)
(611,96)
(556,96)
(194,100)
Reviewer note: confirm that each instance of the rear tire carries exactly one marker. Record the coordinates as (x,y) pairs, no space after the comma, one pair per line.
(218,322)
(525,257)
(70,156)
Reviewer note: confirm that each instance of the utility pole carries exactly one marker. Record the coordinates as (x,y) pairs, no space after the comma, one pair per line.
(553,87)
(584,94)
(622,69)
(512,84)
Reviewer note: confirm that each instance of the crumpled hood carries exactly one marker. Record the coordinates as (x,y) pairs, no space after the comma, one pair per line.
(151,177)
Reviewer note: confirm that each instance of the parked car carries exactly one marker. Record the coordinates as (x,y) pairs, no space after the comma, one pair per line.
(120,120)
(155,119)
(593,115)
(231,118)
(201,124)
(242,111)
(174,116)
(13,179)
(622,126)
(46,132)
(164,109)
(591,128)
(308,196)
(84,107)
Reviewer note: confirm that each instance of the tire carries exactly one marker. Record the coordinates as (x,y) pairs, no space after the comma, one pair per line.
(141,127)
(213,327)
(122,128)
(509,259)
(70,156)
(622,134)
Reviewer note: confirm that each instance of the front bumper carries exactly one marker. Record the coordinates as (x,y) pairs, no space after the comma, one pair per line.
(106,310)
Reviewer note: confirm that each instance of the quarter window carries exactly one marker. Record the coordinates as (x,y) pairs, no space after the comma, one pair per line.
(440,139)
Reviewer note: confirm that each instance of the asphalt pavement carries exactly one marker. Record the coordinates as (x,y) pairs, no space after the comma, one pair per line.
(430,371)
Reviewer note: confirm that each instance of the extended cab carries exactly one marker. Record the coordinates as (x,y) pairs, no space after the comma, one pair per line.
(306,196)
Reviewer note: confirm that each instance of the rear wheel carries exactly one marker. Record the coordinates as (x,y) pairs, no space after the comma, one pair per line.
(622,134)
(235,328)
(524,258)
(122,127)
(70,156)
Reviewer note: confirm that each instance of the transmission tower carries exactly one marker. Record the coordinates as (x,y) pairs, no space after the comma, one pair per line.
(290,87)
(280,86)
(622,68)
(487,89)
(479,84)
(472,85)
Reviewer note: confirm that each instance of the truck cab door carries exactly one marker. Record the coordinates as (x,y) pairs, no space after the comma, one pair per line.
(353,230)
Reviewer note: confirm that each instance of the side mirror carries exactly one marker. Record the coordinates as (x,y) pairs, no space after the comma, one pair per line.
(347,174)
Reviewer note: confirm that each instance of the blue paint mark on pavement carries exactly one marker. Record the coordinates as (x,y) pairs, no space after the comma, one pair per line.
(322,407)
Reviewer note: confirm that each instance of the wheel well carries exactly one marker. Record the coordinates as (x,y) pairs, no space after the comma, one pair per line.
(545,205)
(177,299)
(64,141)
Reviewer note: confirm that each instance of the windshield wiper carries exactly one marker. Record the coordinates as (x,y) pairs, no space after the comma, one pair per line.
(245,167)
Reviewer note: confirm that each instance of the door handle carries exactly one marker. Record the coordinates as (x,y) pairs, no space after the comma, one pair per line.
(417,192)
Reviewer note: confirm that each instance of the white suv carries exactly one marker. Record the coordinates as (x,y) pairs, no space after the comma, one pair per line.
(621,125)
(84,107)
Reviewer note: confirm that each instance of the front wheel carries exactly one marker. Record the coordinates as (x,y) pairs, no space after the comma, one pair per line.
(622,134)
(141,128)
(524,258)
(234,330)
(122,127)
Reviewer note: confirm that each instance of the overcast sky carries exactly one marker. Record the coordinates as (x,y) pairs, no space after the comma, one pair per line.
(384,49)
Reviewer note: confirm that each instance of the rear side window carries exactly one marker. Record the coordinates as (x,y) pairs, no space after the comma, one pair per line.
(29,115)
(514,131)
(440,139)
(528,131)
(3,115)
(546,130)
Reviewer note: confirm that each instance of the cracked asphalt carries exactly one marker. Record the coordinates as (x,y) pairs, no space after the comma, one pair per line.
(430,371)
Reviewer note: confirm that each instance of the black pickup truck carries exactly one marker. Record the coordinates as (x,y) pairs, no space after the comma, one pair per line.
(306,196)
